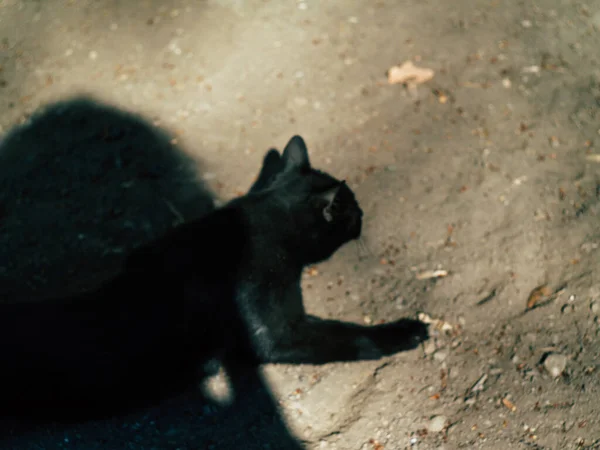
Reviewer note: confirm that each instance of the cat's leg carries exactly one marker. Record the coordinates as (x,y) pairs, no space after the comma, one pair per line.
(318,341)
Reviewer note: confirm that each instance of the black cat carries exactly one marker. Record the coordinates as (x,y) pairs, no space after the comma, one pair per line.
(224,287)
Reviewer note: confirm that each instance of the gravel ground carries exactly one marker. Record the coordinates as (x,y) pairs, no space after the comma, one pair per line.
(490,171)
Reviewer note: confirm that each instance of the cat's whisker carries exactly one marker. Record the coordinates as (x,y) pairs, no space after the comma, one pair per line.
(363,249)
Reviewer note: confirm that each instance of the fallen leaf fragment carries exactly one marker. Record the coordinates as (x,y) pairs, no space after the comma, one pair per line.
(409,73)
(312,271)
(538,294)
(593,158)
(444,379)
(510,405)
(479,384)
(432,274)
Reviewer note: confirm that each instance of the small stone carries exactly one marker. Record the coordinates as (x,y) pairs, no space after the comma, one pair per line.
(437,424)
(526,23)
(506,83)
(429,347)
(567,308)
(440,355)
(300,101)
(595,307)
(93,55)
(555,364)
(113,26)
(596,19)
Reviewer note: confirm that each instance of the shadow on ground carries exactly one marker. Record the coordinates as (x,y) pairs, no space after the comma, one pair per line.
(81,184)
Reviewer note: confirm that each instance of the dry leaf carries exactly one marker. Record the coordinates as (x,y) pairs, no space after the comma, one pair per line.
(409,73)
(593,158)
(538,294)
(444,379)
(431,274)
(510,405)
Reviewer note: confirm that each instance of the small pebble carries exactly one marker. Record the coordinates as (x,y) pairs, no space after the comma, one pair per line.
(567,309)
(300,101)
(429,347)
(437,424)
(93,55)
(555,364)
(526,23)
(596,19)
(595,307)
(440,356)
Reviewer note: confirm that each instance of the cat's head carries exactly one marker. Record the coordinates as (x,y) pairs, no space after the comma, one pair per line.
(319,212)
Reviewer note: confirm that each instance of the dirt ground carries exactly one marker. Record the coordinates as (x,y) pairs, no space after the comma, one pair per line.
(490,171)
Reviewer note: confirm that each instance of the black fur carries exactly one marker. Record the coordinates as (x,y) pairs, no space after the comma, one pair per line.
(226,287)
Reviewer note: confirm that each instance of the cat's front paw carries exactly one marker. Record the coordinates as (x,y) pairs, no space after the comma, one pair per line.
(404,334)
(416,330)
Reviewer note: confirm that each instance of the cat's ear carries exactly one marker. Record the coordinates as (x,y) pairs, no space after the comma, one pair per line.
(330,196)
(272,165)
(295,154)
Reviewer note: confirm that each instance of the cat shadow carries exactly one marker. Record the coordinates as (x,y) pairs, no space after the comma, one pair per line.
(81,184)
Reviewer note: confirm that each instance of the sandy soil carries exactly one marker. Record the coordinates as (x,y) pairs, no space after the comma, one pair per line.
(489,171)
